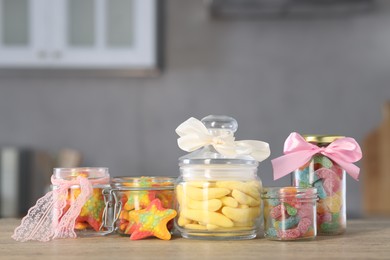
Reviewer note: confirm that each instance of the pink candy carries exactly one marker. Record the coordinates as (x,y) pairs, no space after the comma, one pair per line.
(324,173)
(289,233)
(305,211)
(303,225)
(326,217)
(332,185)
(278,211)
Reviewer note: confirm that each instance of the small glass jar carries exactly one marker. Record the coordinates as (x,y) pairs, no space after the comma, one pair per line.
(218,197)
(136,193)
(289,213)
(329,179)
(95,213)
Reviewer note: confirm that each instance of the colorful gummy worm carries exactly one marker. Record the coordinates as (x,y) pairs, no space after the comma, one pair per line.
(289,217)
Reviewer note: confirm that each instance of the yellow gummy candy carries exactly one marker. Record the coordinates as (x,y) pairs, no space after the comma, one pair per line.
(249,188)
(207,217)
(241,215)
(242,198)
(195,226)
(229,201)
(205,194)
(182,221)
(333,203)
(210,205)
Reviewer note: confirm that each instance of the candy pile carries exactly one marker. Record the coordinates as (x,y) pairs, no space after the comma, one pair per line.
(215,206)
(91,215)
(146,208)
(289,213)
(327,177)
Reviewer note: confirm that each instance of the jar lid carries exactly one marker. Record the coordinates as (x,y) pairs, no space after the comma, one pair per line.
(324,139)
(223,127)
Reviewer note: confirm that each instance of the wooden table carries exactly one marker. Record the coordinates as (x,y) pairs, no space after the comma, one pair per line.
(365,239)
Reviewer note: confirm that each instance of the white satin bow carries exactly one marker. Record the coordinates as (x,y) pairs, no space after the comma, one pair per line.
(194,135)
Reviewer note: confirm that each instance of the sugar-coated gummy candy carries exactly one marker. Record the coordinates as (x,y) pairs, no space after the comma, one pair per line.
(333,203)
(305,211)
(290,209)
(320,189)
(304,224)
(332,185)
(324,173)
(289,233)
(271,232)
(323,160)
(278,211)
(329,226)
(326,217)
(287,223)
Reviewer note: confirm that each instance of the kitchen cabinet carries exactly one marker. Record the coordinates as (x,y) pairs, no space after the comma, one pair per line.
(91,34)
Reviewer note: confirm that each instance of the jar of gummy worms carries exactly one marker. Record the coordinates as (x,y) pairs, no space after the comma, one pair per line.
(289,213)
(133,194)
(89,186)
(330,180)
(218,195)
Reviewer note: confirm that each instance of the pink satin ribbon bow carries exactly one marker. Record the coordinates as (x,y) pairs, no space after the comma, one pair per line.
(344,151)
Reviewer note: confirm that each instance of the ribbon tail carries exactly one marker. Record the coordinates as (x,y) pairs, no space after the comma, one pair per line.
(257,149)
(37,224)
(350,168)
(288,163)
(65,227)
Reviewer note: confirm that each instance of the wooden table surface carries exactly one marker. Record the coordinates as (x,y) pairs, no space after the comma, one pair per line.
(365,239)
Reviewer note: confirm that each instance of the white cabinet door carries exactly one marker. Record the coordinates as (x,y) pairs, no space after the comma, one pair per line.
(22,33)
(105,34)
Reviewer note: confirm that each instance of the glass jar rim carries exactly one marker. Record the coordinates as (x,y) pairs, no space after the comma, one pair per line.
(71,173)
(143,182)
(289,192)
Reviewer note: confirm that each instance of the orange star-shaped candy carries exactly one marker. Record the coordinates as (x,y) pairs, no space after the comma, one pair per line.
(152,221)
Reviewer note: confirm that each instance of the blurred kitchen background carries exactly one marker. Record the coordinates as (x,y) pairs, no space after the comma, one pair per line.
(313,66)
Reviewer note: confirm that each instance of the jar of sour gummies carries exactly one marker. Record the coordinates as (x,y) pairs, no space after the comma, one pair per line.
(330,180)
(289,213)
(218,191)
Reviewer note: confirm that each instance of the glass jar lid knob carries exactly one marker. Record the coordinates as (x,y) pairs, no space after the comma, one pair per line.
(217,122)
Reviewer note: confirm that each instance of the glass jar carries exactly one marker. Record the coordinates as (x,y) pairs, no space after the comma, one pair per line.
(289,213)
(330,180)
(218,196)
(95,212)
(131,194)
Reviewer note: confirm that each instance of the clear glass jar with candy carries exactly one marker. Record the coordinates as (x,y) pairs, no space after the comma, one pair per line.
(289,213)
(218,193)
(87,192)
(330,180)
(133,198)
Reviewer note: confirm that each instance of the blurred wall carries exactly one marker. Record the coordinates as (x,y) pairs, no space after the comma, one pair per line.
(327,76)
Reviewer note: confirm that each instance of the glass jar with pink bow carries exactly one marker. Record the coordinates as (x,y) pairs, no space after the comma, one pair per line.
(218,191)
(322,161)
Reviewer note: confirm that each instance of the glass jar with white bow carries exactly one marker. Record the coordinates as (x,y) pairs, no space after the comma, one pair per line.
(218,191)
